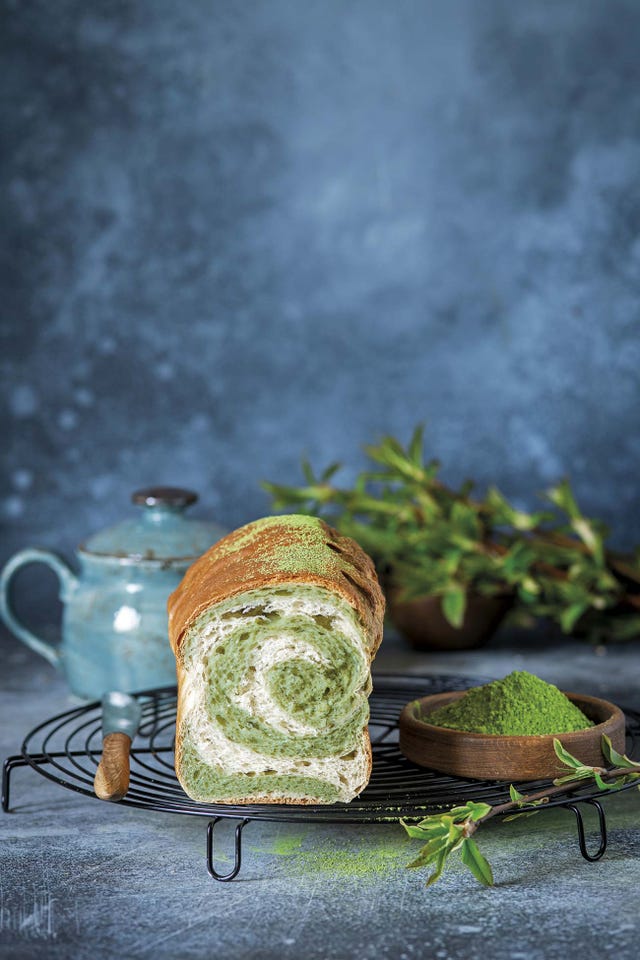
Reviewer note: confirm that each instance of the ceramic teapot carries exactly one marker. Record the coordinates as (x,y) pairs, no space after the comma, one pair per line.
(114,622)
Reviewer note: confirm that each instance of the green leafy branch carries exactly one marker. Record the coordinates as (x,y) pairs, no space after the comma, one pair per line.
(452,831)
(428,539)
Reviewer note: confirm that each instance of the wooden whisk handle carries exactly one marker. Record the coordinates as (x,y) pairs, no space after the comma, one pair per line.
(112,776)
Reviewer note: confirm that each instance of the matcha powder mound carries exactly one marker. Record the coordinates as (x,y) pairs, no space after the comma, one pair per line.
(519,705)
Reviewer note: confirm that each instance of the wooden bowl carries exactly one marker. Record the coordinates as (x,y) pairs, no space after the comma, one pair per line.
(486,756)
(425,626)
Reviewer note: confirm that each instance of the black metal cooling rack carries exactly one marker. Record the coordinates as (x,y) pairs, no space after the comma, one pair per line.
(67,748)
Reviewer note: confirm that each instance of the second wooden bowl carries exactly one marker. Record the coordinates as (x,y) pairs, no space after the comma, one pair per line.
(494,757)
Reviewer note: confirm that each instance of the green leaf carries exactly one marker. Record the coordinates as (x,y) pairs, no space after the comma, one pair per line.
(455,833)
(470,811)
(500,507)
(516,563)
(571,614)
(430,852)
(529,588)
(615,758)
(458,844)
(416,445)
(515,795)
(454,603)
(308,472)
(603,785)
(329,471)
(522,801)
(425,833)
(563,497)
(630,778)
(451,561)
(565,756)
(437,873)
(428,828)
(476,862)
(459,813)
(415,831)
(478,810)
(579,773)
(465,520)
(589,537)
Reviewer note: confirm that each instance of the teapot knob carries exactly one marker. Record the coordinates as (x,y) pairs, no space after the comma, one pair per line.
(164,497)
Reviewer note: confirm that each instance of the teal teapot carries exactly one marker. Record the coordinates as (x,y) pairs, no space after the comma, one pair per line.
(114,622)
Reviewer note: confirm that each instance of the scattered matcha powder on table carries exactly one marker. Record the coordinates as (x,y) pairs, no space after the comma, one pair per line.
(519,705)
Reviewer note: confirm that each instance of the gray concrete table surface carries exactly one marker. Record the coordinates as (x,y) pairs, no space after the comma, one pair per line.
(80,878)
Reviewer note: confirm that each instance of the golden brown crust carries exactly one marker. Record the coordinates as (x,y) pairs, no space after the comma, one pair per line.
(255,555)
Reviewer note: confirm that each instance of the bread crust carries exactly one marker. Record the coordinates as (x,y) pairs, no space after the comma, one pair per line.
(243,561)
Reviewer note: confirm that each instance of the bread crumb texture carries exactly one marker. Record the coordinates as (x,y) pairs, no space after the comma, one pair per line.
(274,699)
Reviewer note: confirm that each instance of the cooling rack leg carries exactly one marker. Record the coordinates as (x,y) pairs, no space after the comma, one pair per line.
(581,838)
(7,767)
(21,761)
(237,849)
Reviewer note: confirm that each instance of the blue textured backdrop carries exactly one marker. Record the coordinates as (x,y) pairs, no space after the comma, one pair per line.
(242,231)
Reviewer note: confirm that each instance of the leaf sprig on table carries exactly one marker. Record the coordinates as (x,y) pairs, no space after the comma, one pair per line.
(450,832)
(427,538)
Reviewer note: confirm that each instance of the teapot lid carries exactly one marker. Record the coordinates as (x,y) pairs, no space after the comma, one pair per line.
(159,534)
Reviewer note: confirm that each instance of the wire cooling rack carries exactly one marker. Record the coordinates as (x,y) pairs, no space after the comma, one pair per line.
(67,748)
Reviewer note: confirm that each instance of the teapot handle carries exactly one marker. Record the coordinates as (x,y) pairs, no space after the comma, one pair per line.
(68,581)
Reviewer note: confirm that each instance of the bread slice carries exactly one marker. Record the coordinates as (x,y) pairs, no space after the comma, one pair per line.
(274,630)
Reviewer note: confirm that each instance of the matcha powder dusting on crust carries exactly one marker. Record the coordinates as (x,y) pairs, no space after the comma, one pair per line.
(519,705)
(304,550)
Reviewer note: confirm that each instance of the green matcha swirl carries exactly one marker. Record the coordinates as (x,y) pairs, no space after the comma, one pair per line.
(284,685)
(320,694)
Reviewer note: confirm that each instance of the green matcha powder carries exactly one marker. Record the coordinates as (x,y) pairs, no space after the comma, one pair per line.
(519,705)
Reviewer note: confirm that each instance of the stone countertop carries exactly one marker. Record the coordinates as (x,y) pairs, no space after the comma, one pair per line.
(87,879)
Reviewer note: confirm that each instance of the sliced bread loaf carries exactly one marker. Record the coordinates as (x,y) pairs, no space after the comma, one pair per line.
(274,630)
